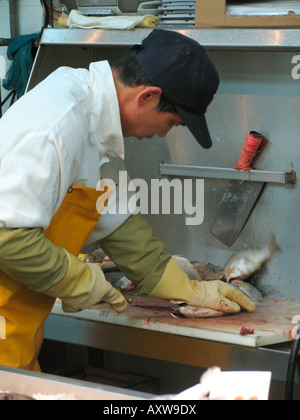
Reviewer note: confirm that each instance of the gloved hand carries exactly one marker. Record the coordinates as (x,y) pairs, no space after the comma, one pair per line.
(46,268)
(175,285)
(84,286)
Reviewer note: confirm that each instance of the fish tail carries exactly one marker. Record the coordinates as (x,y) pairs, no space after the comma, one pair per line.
(273,246)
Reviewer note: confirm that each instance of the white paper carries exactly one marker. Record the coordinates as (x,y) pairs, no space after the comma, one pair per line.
(230,386)
(264,8)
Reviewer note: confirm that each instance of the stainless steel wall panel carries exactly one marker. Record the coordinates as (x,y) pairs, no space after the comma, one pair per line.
(257,92)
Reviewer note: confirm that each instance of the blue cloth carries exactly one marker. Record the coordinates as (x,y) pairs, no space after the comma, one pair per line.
(20,53)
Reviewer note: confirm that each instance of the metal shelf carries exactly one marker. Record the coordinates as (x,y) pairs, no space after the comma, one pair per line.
(207,172)
(211,38)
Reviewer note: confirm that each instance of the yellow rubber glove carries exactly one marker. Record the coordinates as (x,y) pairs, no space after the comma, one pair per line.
(34,261)
(175,285)
(84,286)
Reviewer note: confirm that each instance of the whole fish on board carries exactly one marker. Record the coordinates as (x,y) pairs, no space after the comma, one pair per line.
(244,263)
(188,311)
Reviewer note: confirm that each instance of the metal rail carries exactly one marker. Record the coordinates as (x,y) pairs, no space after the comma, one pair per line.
(248,39)
(14,18)
(288,177)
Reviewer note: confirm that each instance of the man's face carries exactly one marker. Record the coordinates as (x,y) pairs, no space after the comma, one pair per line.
(143,119)
(154,123)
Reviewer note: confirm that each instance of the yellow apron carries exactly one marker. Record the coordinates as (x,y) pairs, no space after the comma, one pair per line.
(26,311)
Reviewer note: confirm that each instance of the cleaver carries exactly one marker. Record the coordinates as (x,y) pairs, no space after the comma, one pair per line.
(236,206)
(234,210)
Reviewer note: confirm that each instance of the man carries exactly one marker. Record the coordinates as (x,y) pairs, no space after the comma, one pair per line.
(56,143)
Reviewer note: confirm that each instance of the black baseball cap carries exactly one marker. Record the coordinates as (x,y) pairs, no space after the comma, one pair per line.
(181,67)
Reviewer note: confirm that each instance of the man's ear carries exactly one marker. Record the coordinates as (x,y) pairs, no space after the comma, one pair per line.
(148,94)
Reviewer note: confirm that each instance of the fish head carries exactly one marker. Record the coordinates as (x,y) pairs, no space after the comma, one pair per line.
(233,272)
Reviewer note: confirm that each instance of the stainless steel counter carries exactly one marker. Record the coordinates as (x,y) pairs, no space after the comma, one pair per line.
(144,333)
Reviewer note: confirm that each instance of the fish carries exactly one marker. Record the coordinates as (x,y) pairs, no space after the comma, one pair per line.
(187,267)
(196,270)
(208,271)
(249,290)
(195,312)
(125,285)
(97,256)
(175,309)
(245,263)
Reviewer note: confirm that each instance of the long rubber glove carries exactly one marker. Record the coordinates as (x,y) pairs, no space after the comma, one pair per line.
(137,253)
(85,285)
(34,261)
(175,285)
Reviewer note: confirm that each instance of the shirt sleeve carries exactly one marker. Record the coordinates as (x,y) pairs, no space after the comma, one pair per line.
(42,138)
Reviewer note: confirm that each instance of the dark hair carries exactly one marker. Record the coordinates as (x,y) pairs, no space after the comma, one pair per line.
(131,74)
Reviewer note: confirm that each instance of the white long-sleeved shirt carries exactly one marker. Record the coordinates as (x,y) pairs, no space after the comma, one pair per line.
(67,129)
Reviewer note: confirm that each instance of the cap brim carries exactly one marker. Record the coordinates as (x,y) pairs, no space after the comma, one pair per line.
(197,126)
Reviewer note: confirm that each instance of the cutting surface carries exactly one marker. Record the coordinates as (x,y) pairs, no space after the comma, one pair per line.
(272,322)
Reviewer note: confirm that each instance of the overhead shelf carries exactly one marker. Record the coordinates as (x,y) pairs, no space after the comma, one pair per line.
(210,38)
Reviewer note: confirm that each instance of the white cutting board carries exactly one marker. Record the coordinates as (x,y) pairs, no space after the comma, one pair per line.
(272,322)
